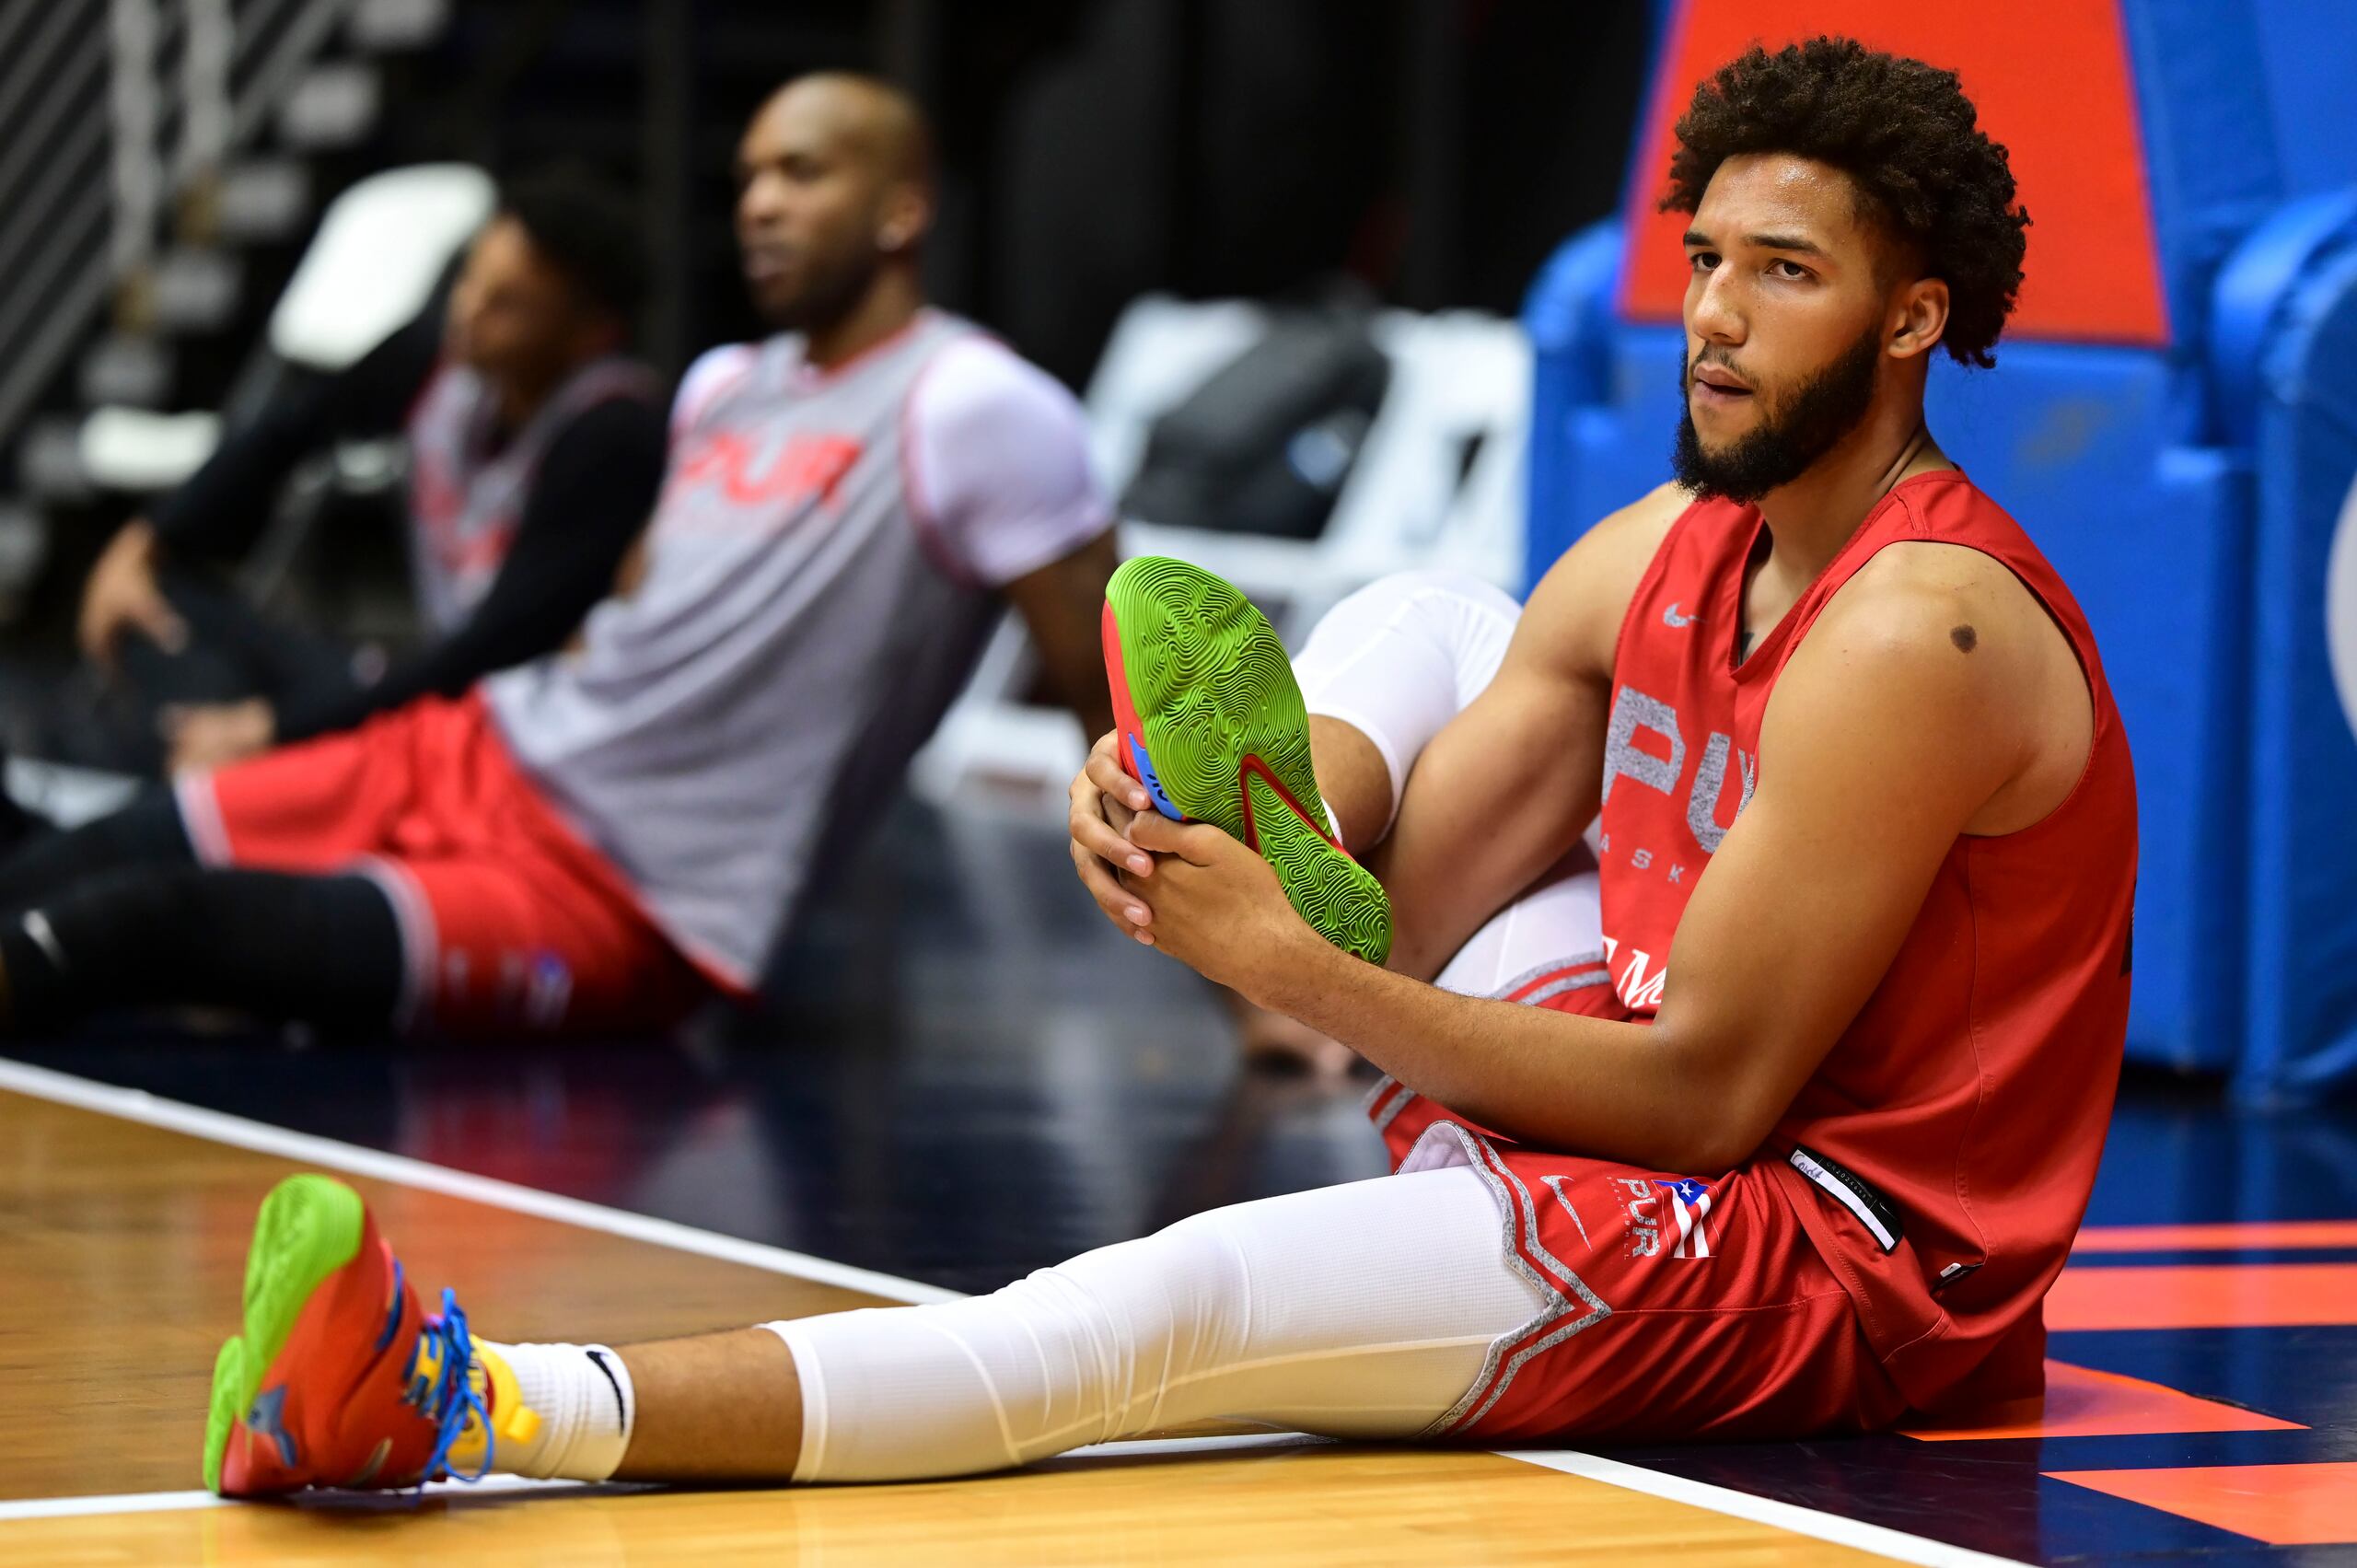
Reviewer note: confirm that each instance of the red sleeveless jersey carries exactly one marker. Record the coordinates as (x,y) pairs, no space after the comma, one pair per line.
(1942,1156)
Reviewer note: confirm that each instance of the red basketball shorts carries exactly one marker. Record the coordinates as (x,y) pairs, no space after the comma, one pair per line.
(1675,1308)
(509,921)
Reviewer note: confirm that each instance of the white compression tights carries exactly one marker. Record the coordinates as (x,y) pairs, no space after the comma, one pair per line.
(1400,657)
(1396,661)
(1364,1310)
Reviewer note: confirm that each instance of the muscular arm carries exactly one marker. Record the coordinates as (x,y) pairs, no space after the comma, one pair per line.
(1883,742)
(1061,604)
(1503,790)
(999,459)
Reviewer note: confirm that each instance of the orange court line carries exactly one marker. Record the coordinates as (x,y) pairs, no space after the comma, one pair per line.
(2226,1238)
(2280,1505)
(2083,1402)
(2204,1295)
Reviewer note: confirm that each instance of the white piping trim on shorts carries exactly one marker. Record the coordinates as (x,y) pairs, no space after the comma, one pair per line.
(1573,971)
(1382,1119)
(421,938)
(1581,981)
(1552,966)
(1516,1213)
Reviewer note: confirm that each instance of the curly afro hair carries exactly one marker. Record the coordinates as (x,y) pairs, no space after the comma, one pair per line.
(1905,134)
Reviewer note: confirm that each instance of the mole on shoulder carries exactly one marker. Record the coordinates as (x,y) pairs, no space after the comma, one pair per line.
(1965,638)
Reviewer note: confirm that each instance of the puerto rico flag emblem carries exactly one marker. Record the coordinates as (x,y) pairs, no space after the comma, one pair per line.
(1689,1201)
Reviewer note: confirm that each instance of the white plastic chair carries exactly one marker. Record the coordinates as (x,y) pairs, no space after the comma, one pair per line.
(380,249)
(1161,350)
(1460,383)
(143,451)
(375,261)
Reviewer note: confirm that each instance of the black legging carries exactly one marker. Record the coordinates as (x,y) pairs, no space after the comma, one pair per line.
(117,914)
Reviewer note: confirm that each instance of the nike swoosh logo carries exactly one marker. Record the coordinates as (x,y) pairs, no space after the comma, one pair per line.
(622,1415)
(1671,618)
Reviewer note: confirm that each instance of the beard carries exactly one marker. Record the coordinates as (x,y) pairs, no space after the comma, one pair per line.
(826,296)
(1793,433)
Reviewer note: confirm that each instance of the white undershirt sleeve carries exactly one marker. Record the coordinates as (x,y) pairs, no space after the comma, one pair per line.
(998,461)
(714,373)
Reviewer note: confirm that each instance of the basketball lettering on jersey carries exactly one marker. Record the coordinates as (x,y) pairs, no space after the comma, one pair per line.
(466,499)
(760,487)
(796,635)
(1956,1123)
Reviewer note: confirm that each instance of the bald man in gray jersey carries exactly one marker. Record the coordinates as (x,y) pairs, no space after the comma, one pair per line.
(597,840)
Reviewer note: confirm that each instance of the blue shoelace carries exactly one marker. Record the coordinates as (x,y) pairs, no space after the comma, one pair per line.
(451,1398)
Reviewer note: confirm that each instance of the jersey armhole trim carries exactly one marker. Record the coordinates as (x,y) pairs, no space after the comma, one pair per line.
(931,537)
(1646,582)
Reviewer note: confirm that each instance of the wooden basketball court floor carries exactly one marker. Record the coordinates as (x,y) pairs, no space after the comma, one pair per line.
(123,1243)
(122,1221)
(963,1089)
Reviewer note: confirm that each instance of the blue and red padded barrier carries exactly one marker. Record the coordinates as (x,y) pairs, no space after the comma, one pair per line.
(2163,419)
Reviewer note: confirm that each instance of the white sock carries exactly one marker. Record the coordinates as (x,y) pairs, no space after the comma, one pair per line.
(582,1397)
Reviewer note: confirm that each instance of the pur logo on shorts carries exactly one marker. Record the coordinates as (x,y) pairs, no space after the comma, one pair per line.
(1642,1197)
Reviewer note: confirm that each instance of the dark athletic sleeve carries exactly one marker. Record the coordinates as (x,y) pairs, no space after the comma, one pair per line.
(219,512)
(594,488)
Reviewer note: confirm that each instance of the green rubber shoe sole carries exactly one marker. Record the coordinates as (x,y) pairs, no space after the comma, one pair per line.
(310,1226)
(1201,675)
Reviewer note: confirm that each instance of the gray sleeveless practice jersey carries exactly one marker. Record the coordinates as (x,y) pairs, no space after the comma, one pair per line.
(800,627)
(467,500)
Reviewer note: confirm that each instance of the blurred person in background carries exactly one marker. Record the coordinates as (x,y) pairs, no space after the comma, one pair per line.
(536,449)
(598,839)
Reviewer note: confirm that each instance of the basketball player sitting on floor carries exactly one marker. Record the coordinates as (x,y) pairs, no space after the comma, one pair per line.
(536,450)
(596,840)
(1778,1123)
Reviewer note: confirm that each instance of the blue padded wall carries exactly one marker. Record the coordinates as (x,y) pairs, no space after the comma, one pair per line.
(2307,52)
(2300,853)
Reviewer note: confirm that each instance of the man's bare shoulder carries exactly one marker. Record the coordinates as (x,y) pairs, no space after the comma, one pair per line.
(1637,529)
(1583,598)
(1921,598)
(1941,626)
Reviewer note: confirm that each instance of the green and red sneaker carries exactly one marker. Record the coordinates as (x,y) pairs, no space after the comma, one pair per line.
(1212,723)
(339,1379)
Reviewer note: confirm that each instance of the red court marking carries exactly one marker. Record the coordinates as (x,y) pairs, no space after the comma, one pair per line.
(2217,1238)
(2280,1505)
(2082,1402)
(2204,1295)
